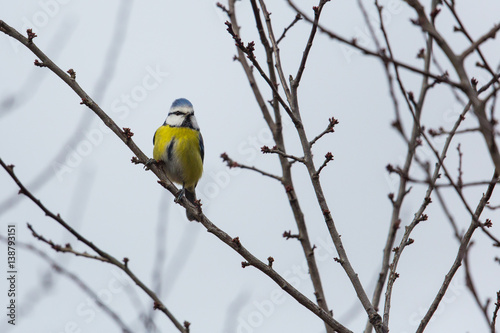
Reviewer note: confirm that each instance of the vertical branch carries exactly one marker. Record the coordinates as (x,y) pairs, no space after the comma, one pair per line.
(317,12)
(467,85)
(276,51)
(373,316)
(410,155)
(419,216)
(460,255)
(277,132)
(78,282)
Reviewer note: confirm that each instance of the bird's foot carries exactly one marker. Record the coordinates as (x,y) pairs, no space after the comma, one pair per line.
(180,195)
(149,163)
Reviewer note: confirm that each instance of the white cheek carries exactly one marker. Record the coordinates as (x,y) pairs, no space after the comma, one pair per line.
(194,122)
(174,120)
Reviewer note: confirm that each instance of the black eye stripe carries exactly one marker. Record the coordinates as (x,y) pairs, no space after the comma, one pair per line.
(177,113)
(180,113)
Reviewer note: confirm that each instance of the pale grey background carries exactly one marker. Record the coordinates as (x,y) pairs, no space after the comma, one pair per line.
(118,206)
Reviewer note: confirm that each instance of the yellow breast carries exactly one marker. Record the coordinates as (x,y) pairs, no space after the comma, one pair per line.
(179,148)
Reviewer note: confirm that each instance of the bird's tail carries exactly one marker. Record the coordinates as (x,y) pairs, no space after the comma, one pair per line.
(191,196)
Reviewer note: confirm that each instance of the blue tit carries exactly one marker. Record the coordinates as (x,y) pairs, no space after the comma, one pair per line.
(179,144)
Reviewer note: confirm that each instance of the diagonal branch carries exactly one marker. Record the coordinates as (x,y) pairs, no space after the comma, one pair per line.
(462,29)
(295,20)
(73,277)
(302,66)
(112,260)
(467,85)
(276,51)
(495,312)
(369,52)
(475,45)
(125,136)
(66,248)
(248,50)
(277,132)
(460,255)
(419,215)
(233,164)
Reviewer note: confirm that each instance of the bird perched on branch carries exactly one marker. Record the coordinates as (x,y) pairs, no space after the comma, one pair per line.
(179,144)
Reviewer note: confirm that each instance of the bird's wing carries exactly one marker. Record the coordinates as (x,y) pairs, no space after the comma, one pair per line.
(202,147)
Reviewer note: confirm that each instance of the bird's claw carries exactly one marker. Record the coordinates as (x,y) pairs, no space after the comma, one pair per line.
(179,195)
(149,163)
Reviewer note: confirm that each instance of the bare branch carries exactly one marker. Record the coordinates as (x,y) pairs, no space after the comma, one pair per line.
(277,132)
(328,158)
(66,248)
(419,215)
(317,12)
(295,20)
(105,77)
(286,164)
(275,150)
(412,143)
(232,164)
(248,50)
(462,29)
(467,85)
(276,51)
(329,129)
(79,282)
(460,255)
(123,266)
(495,312)
(366,51)
(196,211)
(475,45)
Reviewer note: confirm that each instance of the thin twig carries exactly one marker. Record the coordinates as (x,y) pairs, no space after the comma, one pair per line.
(495,312)
(329,129)
(467,85)
(66,248)
(276,52)
(475,45)
(419,215)
(110,259)
(471,286)
(164,181)
(103,82)
(328,158)
(232,164)
(295,20)
(369,52)
(277,131)
(317,12)
(462,29)
(412,144)
(249,51)
(460,182)
(460,255)
(79,282)
(343,259)
(275,150)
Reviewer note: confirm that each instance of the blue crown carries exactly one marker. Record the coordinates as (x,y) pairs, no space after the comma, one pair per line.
(181,102)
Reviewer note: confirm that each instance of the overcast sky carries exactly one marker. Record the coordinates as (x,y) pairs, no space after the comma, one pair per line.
(134,58)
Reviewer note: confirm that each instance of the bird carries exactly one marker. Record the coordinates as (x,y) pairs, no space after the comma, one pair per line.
(178,143)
